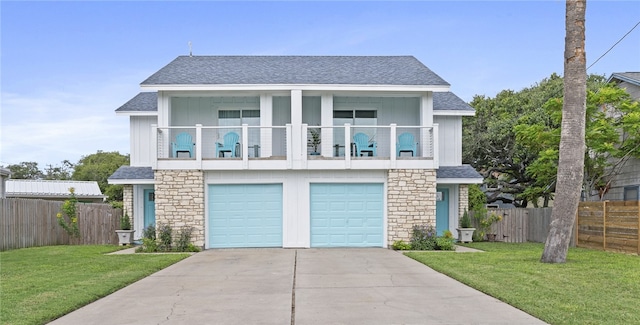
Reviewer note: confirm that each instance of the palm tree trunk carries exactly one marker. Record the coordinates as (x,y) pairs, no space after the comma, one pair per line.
(572,136)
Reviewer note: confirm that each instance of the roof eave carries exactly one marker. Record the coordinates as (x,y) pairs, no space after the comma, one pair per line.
(130,181)
(280,87)
(459,180)
(137,113)
(454,112)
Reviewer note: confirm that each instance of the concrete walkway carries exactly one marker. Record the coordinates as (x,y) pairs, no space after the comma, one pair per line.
(298,286)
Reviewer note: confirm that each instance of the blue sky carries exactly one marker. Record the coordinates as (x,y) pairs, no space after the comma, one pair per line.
(66,66)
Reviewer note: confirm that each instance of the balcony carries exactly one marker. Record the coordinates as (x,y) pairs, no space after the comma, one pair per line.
(289,147)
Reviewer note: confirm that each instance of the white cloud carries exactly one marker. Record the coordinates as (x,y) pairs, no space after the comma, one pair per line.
(56,125)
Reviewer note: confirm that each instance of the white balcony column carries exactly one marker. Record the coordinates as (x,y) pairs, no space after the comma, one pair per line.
(326,119)
(426,119)
(199,142)
(392,145)
(347,146)
(296,123)
(266,121)
(245,146)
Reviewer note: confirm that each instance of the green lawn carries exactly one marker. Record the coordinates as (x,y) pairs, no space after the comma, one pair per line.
(40,284)
(593,287)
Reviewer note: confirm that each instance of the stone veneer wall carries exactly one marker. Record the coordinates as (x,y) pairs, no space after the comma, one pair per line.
(180,201)
(411,200)
(463,199)
(127,201)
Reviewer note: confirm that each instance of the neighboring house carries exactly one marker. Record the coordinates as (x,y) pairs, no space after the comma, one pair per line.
(266,186)
(4,175)
(55,190)
(625,185)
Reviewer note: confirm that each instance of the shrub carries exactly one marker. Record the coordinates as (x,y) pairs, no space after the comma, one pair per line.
(184,239)
(149,232)
(68,217)
(423,237)
(148,246)
(165,237)
(447,234)
(125,222)
(445,244)
(400,245)
(465,221)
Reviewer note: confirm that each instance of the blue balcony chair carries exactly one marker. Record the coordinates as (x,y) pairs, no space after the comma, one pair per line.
(361,141)
(230,144)
(184,143)
(406,143)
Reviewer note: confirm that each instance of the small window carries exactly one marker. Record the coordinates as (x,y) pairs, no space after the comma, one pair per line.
(631,193)
(343,114)
(228,114)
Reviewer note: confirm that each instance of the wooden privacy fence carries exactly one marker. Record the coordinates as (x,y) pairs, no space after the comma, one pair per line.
(519,225)
(28,223)
(609,225)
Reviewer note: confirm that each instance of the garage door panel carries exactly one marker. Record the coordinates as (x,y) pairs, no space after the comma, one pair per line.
(347,214)
(245,215)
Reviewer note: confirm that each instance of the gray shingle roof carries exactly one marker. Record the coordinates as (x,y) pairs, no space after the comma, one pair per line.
(464,171)
(148,102)
(630,77)
(128,172)
(142,102)
(282,70)
(449,101)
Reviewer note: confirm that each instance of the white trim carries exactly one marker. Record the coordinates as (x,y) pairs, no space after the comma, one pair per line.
(132,182)
(453,113)
(459,180)
(137,113)
(285,87)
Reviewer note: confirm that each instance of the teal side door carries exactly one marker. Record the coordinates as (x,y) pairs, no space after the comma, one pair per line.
(442,210)
(149,208)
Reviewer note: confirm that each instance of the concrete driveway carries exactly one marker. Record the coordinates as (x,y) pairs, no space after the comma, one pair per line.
(298,286)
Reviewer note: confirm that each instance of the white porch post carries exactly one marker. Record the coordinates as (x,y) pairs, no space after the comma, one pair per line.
(296,130)
(266,121)
(154,145)
(326,119)
(426,119)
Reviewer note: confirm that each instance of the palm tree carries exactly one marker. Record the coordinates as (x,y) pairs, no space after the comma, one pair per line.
(572,136)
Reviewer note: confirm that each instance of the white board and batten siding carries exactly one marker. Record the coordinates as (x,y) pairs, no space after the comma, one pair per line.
(450,136)
(296,196)
(140,140)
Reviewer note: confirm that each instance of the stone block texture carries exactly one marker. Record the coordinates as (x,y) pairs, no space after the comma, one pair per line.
(180,201)
(411,200)
(127,201)
(463,199)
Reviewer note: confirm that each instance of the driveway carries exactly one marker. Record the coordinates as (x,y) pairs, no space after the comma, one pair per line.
(298,286)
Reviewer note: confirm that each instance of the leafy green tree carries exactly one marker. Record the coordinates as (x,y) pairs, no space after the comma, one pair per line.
(25,170)
(612,135)
(62,172)
(522,167)
(98,167)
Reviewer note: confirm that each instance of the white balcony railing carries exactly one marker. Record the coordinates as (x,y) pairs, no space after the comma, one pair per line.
(271,147)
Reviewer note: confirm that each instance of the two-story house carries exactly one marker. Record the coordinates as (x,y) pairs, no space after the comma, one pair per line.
(296,151)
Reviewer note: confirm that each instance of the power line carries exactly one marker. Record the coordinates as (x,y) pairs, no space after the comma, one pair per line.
(614,45)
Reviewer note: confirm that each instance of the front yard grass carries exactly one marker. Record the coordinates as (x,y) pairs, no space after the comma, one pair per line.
(40,284)
(593,287)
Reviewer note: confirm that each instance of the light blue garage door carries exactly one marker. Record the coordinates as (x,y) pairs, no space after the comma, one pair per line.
(245,215)
(347,215)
